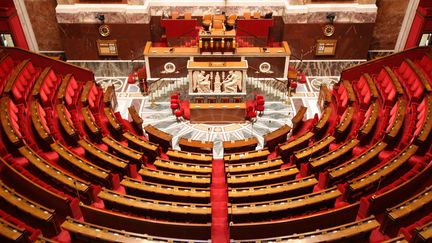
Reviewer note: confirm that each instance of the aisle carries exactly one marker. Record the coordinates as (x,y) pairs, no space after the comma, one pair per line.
(219,200)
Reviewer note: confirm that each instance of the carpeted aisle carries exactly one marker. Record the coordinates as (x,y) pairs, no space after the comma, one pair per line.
(219,200)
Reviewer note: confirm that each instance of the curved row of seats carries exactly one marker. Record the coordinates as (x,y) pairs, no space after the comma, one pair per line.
(146,189)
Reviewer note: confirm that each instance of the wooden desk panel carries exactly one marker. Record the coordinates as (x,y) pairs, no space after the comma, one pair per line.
(323,121)
(289,147)
(282,208)
(273,191)
(66,180)
(236,146)
(372,120)
(90,170)
(217,113)
(262,178)
(258,166)
(158,137)
(11,232)
(276,137)
(182,167)
(307,153)
(346,170)
(165,192)
(308,223)
(332,157)
(177,179)
(250,156)
(44,134)
(149,149)
(145,226)
(197,146)
(166,210)
(197,158)
(122,150)
(5,119)
(66,123)
(112,120)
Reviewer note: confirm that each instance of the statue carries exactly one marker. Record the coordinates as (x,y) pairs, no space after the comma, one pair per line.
(232,82)
(201,82)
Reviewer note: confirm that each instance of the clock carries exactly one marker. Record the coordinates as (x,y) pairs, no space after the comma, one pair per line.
(328,30)
(104,30)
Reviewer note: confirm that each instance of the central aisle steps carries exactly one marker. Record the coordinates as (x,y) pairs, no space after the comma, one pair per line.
(219,200)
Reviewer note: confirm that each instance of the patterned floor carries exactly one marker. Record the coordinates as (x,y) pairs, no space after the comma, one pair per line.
(158,113)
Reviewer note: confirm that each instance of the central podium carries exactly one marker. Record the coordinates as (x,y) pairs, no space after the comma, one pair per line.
(217,91)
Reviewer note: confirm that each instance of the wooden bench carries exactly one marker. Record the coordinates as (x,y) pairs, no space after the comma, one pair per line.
(177,179)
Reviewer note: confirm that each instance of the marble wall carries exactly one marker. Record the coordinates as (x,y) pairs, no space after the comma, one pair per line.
(42,15)
(388,24)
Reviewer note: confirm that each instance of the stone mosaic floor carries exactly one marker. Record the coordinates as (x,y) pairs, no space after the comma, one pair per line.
(158,112)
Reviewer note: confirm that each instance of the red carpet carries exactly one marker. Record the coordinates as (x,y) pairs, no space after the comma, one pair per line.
(219,200)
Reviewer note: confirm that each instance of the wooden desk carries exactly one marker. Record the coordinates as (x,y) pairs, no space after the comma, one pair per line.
(112,120)
(276,137)
(197,158)
(350,232)
(262,178)
(395,195)
(122,150)
(45,217)
(298,118)
(109,97)
(281,208)
(236,146)
(323,121)
(49,197)
(66,180)
(142,225)
(348,169)
(420,75)
(373,89)
(371,120)
(137,121)
(14,75)
(104,158)
(85,92)
(395,81)
(350,91)
(423,233)
(395,215)
(398,122)
(5,119)
(182,167)
(149,149)
(217,113)
(63,85)
(9,231)
(288,147)
(158,137)
(165,192)
(258,166)
(379,174)
(65,122)
(332,157)
(177,179)
(346,121)
(186,212)
(39,82)
(307,153)
(90,170)
(90,123)
(250,156)
(273,191)
(427,124)
(36,117)
(308,223)
(197,146)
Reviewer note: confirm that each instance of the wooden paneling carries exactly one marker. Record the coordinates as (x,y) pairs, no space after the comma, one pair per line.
(352,40)
(80,40)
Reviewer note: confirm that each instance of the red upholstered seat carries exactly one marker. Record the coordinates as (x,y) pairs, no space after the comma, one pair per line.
(259,108)
(174,106)
(178,113)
